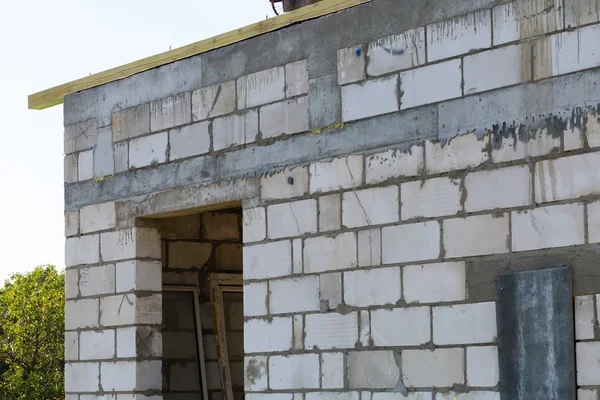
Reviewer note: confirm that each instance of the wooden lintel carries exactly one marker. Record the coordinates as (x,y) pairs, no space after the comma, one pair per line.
(54,96)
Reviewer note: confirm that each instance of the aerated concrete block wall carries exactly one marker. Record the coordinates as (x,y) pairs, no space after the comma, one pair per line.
(387,174)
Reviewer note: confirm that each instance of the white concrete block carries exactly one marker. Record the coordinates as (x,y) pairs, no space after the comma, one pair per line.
(294,295)
(85,165)
(97,345)
(373,369)
(400,396)
(439,368)
(267,336)
(267,396)
(255,299)
(593,222)
(82,250)
(261,87)
(364,333)
(459,35)
(411,242)
(330,213)
(477,235)
(566,178)
(188,141)
(588,357)
(392,164)
(284,118)
(499,188)
(95,281)
(268,260)
(170,112)
(547,227)
(396,52)
(366,288)
(592,130)
(497,68)
(330,253)
(296,78)
(464,323)
(71,346)
(482,366)
(330,289)
(560,53)
(351,64)
(573,137)
(213,101)
(369,247)
(434,283)
(139,275)
(98,217)
(540,144)
(294,372)
(431,84)
(286,184)
(332,371)
(331,331)
(71,283)
(254,224)
(292,219)
(148,150)
(339,173)
(130,243)
(370,98)
(81,314)
(297,262)
(464,151)
(370,207)
(234,130)
(430,198)
(118,376)
(401,326)
(81,377)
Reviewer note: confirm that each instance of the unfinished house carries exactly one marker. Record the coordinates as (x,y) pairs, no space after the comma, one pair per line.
(355,200)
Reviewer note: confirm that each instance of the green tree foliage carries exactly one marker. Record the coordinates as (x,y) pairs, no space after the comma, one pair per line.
(32,336)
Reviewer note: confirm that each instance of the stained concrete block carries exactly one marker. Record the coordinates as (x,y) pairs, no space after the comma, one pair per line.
(148,150)
(261,87)
(393,164)
(461,152)
(131,122)
(254,225)
(213,101)
(459,35)
(373,369)
(397,52)
(187,255)
(236,129)
(170,112)
(255,376)
(80,136)
(566,178)
(324,101)
(537,297)
(284,118)
(220,226)
(513,21)
(351,64)
(296,78)
(70,165)
(104,163)
(121,153)
(190,140)
(581,12)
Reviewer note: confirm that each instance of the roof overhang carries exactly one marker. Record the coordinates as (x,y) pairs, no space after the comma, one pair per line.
(54,96)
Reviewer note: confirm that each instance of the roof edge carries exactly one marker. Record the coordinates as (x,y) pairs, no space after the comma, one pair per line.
(55,95)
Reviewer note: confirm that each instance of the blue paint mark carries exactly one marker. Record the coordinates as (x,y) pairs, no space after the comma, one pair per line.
(358,52)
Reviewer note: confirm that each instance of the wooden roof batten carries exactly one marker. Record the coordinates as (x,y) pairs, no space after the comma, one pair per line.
(55,95)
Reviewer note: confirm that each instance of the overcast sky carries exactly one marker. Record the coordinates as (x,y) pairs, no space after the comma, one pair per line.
(46,43)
